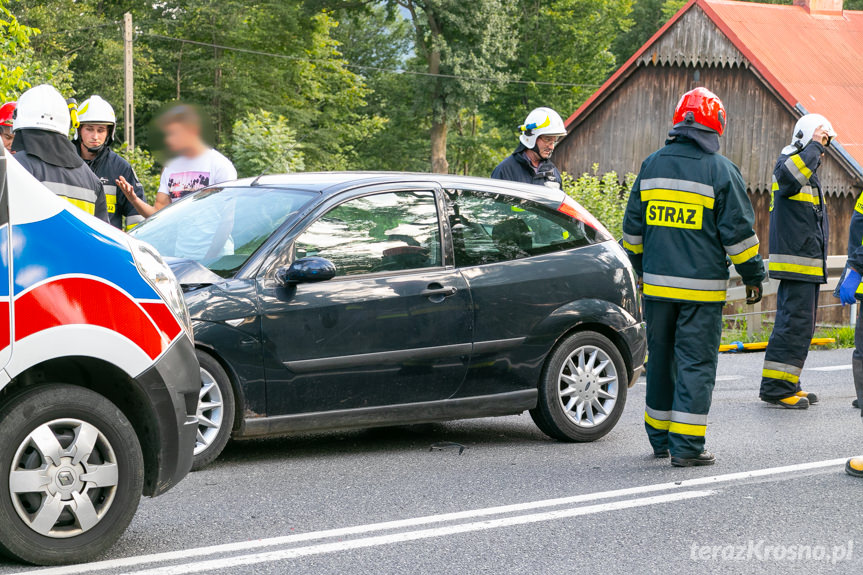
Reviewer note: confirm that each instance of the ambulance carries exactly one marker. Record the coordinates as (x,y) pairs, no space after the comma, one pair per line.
(99,382)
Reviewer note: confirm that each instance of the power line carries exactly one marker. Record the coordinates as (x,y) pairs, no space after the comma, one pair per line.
(42,33)
(370,68)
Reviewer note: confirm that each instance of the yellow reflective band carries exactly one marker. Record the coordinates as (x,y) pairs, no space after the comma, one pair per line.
(781,375)
(677,196)
(656,423)
(802,196)
(860,288)
(858,207)
(687,429)
(685,294)
(801,165)
(131,227)
(674,215)
(775,186)
(745,255)
(795,268)
(88,207)
(634,248)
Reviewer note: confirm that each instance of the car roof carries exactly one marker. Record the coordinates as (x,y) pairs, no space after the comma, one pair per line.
(331,183)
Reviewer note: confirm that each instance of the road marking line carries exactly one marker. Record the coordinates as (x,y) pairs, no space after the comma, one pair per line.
(831,368)
(239,546)
(365,542)
(728,377)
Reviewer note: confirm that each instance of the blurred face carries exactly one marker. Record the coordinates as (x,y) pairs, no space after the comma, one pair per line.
(94,135)
(181,139)
(545,146)
(7,136)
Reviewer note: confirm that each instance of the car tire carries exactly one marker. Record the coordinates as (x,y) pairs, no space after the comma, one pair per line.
(582,392)
(216,409)
(71,510)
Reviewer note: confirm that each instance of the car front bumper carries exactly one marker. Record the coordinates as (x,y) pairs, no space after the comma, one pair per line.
(635,337)
(172,385)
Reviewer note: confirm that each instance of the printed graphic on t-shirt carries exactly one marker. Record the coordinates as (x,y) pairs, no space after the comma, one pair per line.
(181,184)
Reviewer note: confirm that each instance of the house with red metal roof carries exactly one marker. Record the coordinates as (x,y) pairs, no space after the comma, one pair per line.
(769,63)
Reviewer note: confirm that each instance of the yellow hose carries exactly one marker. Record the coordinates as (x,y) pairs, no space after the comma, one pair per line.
(762,345)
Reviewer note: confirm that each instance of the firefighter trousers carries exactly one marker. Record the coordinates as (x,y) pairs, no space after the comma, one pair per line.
(857,356)
(796,304)
(683,345)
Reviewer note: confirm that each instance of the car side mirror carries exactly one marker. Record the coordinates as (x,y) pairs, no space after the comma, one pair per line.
(306,270)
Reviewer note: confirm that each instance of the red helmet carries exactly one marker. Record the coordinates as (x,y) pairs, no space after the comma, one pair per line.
(6,112)
(700,108)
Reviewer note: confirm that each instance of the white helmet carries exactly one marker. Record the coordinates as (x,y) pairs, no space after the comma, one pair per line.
(803,131)
(95,110)
(42,108)
(541,121)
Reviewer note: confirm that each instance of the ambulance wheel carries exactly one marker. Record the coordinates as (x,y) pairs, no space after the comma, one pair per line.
(583,389)
(71,475)
(215,411)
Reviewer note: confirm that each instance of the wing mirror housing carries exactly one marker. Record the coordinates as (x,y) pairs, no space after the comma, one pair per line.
(306,270)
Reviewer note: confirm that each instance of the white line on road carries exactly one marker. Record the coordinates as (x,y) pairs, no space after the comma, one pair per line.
(242,546)
(830,368)
(365,542)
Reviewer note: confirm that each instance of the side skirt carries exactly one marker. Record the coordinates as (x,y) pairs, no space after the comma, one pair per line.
(510,403)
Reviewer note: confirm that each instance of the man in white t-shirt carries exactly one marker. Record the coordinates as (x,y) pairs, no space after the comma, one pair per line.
(196,165)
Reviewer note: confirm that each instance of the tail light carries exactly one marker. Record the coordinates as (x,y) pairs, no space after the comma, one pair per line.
(573,209)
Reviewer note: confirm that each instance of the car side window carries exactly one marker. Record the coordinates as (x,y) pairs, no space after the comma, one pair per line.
(489,228)
(384,232)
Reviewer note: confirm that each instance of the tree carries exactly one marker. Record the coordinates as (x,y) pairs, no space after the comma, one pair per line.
(466,48)
(19,68)
(263,143)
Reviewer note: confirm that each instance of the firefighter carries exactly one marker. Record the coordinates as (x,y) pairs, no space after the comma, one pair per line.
(798,259)
(850,290)
(93,138)
(7,112)
(42,146)
(531,161)
(688,212)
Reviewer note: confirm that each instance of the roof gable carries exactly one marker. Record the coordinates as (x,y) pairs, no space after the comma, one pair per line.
(811,62)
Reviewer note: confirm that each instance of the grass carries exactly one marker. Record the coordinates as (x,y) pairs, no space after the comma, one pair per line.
(735,330)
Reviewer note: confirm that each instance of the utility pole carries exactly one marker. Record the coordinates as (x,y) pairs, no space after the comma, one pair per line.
(128,82)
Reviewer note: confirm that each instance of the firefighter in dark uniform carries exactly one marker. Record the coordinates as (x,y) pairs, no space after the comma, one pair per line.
(93,138)
(850,290)
(798,259)
(42,147)
(531,163)
(687,214)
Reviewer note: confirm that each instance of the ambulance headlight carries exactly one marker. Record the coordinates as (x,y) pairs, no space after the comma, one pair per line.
(159,275)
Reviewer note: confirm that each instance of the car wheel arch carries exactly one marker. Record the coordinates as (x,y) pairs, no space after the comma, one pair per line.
(100,377)
(238,424)
(587,315)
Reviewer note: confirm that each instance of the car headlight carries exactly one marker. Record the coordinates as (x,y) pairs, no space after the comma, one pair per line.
(159,275)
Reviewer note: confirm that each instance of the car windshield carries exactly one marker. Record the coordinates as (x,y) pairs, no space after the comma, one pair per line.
(221,228)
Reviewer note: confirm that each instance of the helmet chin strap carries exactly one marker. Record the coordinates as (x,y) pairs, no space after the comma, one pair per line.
(95,150)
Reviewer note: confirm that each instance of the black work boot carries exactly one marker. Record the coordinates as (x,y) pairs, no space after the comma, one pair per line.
(703,458)
(661,453)
(855,404)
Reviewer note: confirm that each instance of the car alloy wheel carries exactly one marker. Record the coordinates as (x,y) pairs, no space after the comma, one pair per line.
(588,386)
(63,478)
(211,413)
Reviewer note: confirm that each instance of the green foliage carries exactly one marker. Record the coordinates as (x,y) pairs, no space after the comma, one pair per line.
(605,197)
(264,143)
(145,168)
(20,67)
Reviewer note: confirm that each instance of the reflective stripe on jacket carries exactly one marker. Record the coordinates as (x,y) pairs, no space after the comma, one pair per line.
(798,218)
(687,214)
(855,242)
(79,185)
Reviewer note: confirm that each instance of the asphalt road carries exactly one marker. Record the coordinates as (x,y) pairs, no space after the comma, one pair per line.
(379,501)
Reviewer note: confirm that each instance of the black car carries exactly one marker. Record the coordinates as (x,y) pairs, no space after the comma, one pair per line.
(346,300)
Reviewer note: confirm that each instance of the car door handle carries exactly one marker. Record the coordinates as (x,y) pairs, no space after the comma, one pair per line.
(439,293)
